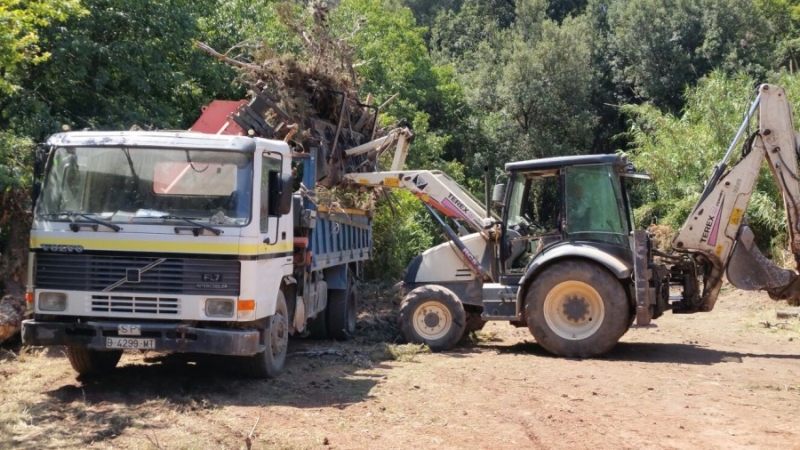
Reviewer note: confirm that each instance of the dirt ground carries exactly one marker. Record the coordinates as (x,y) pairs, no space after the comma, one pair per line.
(725,379)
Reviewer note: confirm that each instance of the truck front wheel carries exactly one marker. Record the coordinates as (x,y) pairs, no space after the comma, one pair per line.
(275,338)
(432,315)
(92,362)
(577,309)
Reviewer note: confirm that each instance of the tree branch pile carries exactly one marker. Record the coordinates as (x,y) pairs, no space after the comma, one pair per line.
(310,100)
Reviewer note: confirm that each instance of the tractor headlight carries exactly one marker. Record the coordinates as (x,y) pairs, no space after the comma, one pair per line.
(219,307)
(52,301)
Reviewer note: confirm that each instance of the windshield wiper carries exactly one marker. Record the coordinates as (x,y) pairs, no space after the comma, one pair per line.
(216,231)
(75,226)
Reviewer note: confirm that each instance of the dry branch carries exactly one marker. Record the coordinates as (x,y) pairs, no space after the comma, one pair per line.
(220,56)
(310,100)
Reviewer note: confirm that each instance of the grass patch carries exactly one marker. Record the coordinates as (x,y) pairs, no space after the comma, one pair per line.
(481,337)
(399,352)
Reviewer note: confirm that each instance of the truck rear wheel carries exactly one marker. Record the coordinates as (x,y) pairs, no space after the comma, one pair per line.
(275,338)
(342,312)
(577,309)
(86,361)
(432,315)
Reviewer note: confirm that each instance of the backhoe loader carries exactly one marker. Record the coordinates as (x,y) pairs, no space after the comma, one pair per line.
(563,258)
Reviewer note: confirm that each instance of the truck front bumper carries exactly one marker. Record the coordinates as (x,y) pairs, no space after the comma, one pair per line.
(168,337)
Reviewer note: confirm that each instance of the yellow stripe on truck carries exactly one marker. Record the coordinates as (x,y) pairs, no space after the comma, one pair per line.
(210,248)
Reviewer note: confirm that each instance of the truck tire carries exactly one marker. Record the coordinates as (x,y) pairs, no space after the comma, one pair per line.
(92,362)
(342,312)
(577,309)
(432,315)
(275,337)
(317,326)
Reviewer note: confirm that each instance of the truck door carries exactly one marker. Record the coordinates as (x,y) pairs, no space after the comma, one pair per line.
(268,211)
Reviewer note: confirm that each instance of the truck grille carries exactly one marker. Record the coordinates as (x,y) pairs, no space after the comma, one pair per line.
(134,305)
(135,274)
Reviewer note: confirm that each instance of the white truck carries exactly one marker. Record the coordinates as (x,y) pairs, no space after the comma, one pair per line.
(187,242)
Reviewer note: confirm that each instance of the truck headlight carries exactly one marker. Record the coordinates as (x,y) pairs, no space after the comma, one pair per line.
(52,301)
(219,307)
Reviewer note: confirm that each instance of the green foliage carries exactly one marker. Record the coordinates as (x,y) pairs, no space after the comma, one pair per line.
(20,23)
(15,162)
(124,63)
(664,46)
(398,236)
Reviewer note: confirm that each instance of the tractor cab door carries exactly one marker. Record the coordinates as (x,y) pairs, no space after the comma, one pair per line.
(595,207)
(532,218)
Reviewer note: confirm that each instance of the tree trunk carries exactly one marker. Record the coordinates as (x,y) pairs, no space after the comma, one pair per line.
(14,262)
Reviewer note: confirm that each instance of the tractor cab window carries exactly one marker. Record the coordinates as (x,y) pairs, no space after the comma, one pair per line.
(595,209)
(532,221)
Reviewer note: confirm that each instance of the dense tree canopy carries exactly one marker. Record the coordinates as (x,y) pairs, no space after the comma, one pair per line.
(480,82)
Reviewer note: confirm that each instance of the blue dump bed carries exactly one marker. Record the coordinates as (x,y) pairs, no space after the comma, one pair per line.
(338,236)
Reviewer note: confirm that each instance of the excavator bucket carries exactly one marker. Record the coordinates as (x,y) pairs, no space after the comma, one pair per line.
(750,270)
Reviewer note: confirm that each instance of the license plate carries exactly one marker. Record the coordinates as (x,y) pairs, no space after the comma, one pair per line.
(129,330)
(139,344)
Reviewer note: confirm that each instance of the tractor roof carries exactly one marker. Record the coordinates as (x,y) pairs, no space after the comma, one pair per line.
(565,161)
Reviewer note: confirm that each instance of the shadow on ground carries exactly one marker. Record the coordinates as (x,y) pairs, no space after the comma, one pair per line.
(143,393)
(650,353)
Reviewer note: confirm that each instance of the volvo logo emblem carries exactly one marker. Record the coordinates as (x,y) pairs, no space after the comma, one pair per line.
(134,275)
(62,248)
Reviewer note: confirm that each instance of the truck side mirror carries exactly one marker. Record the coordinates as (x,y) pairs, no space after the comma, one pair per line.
(286,193)
(36,189)
(280,193)
(499,194)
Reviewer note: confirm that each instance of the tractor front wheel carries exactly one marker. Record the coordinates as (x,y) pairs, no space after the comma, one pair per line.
(432,315)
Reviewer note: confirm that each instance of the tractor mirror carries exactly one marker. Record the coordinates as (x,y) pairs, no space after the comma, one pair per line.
(498,194)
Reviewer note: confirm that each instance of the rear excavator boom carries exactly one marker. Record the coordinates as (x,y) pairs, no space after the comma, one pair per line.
(715,234)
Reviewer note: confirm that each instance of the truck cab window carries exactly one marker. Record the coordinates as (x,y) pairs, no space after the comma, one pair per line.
(270,177)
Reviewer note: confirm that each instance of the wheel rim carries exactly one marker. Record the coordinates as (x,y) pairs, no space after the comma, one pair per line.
(279,333)
(574,310)
(432,320)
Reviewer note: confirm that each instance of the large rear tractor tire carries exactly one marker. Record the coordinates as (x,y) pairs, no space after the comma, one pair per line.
(342,312)
(275,338)
(577,309)
(432,315)
(92,362)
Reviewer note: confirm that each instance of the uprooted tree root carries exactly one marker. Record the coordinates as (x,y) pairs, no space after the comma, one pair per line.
(311,99)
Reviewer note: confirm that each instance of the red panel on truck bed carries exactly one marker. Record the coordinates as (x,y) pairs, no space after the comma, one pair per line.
(214,119)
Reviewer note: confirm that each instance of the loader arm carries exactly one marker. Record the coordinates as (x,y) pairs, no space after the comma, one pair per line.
(714,234)
(434,188)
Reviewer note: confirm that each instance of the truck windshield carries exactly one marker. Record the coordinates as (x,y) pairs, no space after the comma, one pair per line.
(121,184)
